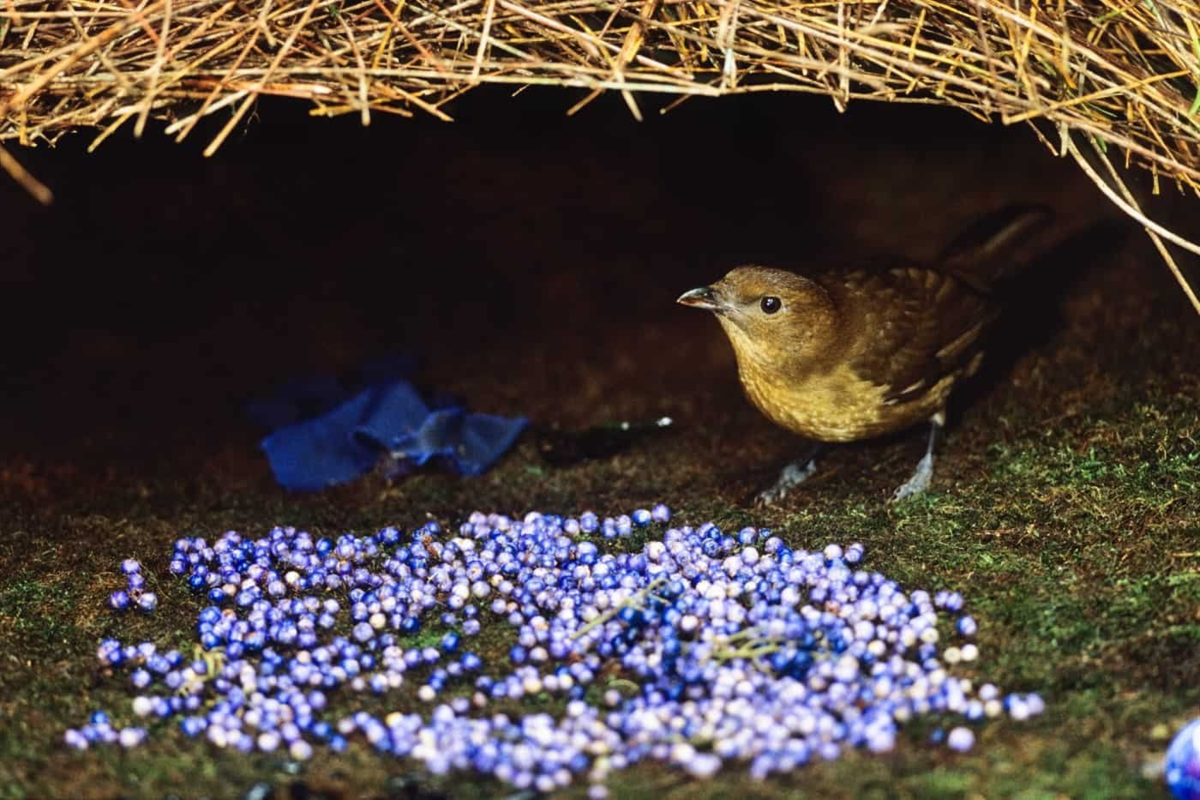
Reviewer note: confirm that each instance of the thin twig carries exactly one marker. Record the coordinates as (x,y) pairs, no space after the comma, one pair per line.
(1129,205)
(484,38)
(24,179)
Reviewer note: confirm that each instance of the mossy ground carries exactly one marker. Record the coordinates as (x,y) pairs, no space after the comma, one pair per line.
(1065,507)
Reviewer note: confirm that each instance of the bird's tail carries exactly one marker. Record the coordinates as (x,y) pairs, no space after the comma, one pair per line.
(996,245)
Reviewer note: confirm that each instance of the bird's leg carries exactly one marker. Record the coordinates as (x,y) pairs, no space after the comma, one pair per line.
(923,474)
(794,474)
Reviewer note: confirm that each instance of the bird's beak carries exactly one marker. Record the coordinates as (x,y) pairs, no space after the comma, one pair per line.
(704,297)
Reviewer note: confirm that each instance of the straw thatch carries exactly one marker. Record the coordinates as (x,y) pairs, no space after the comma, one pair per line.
(1111,83)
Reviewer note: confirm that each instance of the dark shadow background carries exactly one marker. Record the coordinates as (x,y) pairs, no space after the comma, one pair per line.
(530,260)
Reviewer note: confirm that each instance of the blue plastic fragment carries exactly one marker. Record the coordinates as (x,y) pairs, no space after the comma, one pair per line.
(320,452)
(470,442)
(394,412)
(349,431)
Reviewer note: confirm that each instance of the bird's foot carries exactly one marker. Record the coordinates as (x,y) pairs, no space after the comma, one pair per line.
(792,476)
(919,481)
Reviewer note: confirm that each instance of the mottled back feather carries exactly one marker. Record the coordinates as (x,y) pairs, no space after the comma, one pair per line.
(911,325)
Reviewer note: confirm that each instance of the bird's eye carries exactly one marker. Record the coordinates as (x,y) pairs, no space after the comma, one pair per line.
(770,304)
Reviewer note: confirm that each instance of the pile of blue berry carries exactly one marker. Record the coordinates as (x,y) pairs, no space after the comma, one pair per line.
(700,648)
(135,590)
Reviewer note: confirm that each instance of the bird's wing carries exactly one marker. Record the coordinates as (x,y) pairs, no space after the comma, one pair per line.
(996,245)
(914,326)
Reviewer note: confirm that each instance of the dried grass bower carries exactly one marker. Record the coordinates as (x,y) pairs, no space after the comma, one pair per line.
(1111,83)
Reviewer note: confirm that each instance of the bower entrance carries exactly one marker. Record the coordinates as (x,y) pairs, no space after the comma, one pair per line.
(527,257)
(531,261)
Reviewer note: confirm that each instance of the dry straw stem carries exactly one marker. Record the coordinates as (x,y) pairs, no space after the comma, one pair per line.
(1123,73)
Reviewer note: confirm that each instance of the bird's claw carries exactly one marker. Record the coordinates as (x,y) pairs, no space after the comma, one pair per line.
(792,476)
(769,496)
(918,483)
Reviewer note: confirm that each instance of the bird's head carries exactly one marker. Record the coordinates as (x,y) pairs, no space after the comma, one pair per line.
(773,318)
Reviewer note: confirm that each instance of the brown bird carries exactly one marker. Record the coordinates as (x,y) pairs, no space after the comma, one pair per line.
(846,355)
